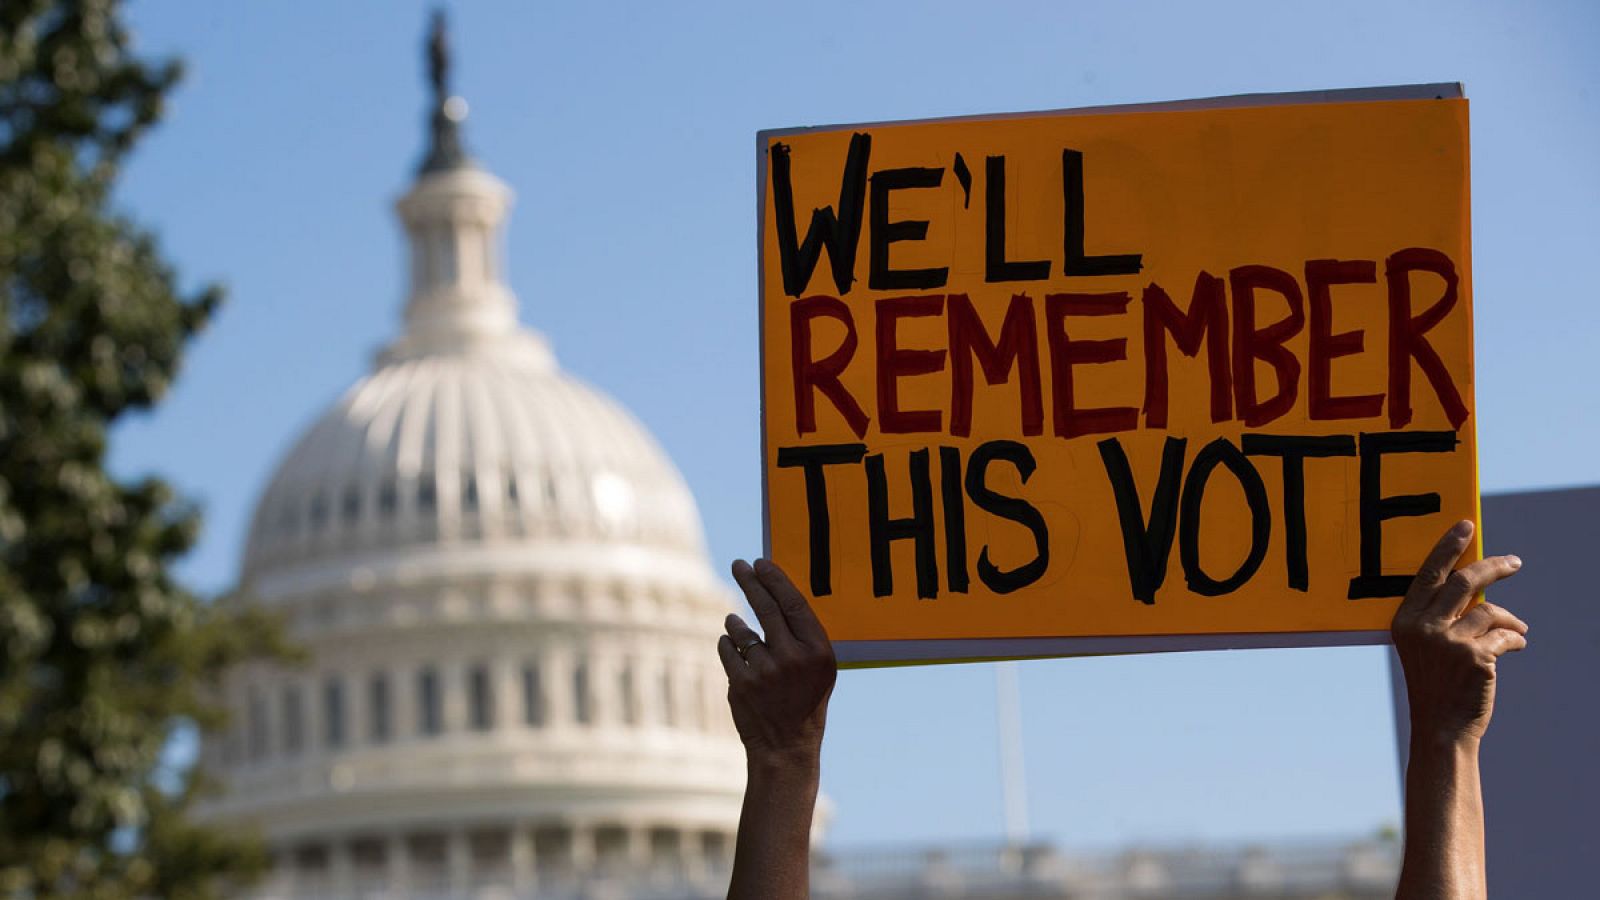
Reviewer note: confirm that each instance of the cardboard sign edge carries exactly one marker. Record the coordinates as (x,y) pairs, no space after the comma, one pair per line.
(871,654)
(1443,90)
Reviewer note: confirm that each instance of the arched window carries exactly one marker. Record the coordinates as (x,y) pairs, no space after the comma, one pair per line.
(294,728)
(582,702)
(333,711)
(388,499)
(480,698)
(429,718)
(379,728)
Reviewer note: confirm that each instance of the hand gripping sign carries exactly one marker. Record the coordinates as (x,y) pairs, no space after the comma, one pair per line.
(1180,376)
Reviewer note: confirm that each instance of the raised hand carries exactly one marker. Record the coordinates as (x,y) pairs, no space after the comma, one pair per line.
(1450,648)
(778,687)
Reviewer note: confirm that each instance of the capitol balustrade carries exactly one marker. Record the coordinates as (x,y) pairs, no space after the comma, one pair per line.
(616,863)
(1354,870)
(549,861)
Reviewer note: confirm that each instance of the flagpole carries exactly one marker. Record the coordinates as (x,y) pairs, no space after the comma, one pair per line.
(1013,777)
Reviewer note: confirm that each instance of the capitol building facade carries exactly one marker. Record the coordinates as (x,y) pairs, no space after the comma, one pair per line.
(510,687)
(507,608)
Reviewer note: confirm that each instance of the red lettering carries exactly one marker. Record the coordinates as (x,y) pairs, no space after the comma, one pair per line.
(895,363)
(1406,334)
(822,374)
(1325,346)
(1266,344)
(1065,353)
(1017,349)
(1207,318)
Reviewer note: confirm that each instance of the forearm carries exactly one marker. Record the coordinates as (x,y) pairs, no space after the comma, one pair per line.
(1444,849)
(772,860)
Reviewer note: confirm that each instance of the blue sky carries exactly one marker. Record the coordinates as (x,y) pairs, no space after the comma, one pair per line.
(628,132)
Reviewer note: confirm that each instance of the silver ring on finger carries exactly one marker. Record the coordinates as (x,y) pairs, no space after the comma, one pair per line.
(744,649)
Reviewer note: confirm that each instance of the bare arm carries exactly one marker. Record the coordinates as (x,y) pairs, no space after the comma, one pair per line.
(778,690)
(1448,648)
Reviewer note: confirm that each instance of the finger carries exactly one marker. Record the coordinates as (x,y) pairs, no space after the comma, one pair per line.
(1436,567)
(761,602)
(1451,599)
(1485,617)
(736,667)
(755,652)
(797,612)
(1502,641)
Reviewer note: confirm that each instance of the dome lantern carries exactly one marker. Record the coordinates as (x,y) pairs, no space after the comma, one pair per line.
(453,217)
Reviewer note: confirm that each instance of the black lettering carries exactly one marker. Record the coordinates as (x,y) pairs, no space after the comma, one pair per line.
(918,528)
(1294,450)
(1221,452)
(813,460)
(1375,507)
(884,232)
(955,521)
(1077,263)
(1146,543)
(1004,581)
(841,233)
(996,266)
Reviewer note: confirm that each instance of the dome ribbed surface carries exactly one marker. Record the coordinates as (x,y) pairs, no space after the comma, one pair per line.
(466,447)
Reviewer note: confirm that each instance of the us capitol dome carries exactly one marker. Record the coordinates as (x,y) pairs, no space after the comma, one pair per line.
(510,686)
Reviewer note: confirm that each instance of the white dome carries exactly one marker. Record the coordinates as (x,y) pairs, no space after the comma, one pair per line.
(509,617)
(454,449)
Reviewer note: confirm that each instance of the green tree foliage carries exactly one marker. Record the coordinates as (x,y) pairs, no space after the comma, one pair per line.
(102,653)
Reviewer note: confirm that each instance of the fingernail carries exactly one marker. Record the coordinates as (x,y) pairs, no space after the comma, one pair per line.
(739,564)
(1514,562)
(1462,528)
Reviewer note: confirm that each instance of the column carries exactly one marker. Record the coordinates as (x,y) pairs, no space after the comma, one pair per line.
(339,867)
(605,686)
(398,860)
(283,874)
(692,858)
(636,850)
(523,870)
(402,701)
(505,671)
(685,698)
(582,848)
(458,860)
(453,694)
(312,708)
(357,730)
(555,672)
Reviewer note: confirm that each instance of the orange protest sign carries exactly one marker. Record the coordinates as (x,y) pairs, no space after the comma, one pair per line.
(1098,381)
